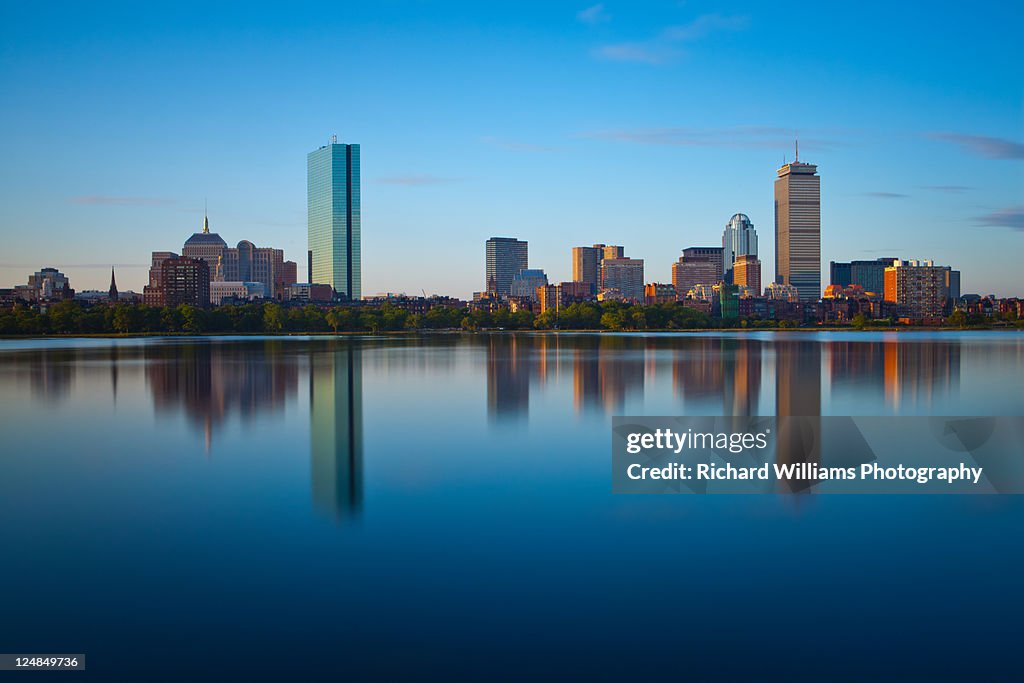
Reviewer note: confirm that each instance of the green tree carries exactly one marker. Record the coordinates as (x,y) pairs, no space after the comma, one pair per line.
(859,321)
(273,318)
(333,319)
(957,319)
(614,319)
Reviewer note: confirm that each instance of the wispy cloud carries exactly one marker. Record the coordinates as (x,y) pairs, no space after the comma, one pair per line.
(667,44)
(762,137)
(704,25)
(416,180)
(1011,217)
(983,145)
(595,14)
(885,195)
(106,200)
(950,189)
(644,53)
(514,146)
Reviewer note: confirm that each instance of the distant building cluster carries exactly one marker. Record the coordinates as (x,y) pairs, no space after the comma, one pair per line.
(724,280)
(727,280)
(209,272)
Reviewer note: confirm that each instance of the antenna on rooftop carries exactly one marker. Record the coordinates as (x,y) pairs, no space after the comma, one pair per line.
(797,141)
(334,139)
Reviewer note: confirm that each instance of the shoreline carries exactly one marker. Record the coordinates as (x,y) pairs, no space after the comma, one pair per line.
(409,333)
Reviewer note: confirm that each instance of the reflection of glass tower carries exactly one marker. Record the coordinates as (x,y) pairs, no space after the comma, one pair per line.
(332,175)
(336,431)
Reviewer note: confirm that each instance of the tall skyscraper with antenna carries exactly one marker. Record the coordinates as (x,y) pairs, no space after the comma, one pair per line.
(334,218)
(798,228)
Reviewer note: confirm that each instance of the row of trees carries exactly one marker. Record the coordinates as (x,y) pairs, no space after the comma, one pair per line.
(68,317)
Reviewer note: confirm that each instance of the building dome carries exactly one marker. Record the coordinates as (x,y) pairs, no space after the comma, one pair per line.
(741,217)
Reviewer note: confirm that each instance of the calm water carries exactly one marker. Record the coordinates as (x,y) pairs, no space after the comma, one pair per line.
(440,507)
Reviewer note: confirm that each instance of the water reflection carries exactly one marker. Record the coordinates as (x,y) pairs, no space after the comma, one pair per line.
(336,430)
(798,395)
(898,374)
(211,381)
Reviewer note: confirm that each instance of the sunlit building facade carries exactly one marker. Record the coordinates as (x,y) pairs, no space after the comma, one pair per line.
(798,229)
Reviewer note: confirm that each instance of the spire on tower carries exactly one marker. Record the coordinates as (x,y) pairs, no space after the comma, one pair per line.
(112,293)
(206,220)
(797,141)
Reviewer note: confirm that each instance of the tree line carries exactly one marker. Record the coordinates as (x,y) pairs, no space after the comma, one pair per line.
(69,317)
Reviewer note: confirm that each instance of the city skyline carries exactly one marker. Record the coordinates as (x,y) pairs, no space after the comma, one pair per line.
(919,147)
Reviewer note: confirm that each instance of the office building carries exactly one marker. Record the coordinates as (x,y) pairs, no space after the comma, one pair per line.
(728,300)
(657,293)
(697,266)
(526,282)
(738,239)
(243,263)
(334,219)
(611,251)
(919,288)
(869,275)
(46,284)
(798,229)
(624,275)
(549,297)
(747,273)
(183,280)
(586,265)
(506,256)
(222,292)
(780,292)
(953,286)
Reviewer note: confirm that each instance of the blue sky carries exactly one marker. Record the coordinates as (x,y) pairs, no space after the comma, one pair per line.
(562,123)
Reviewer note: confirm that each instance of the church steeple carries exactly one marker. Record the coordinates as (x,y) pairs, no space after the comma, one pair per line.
(112,294)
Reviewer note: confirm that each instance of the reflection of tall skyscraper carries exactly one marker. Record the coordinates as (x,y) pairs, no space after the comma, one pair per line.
(336,430)
(798,404)
(798,229)
(509,365)
(586,377)
(335,219)
(742,377)
(697,372)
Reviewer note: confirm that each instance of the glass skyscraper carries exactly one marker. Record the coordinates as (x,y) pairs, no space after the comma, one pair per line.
(334,219)
(738,239)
